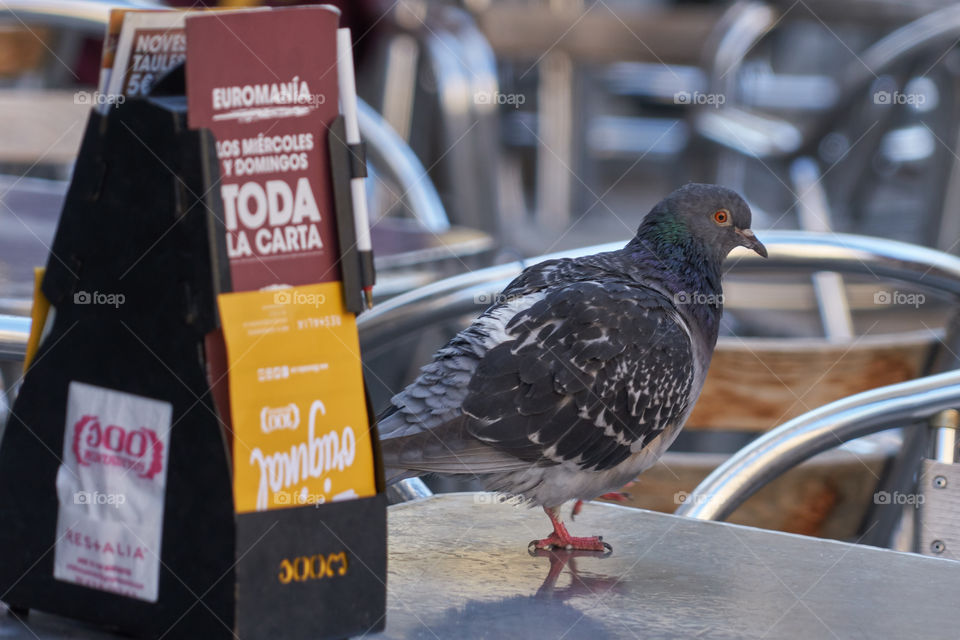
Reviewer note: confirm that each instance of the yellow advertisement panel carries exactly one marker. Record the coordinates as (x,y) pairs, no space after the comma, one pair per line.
(300,426)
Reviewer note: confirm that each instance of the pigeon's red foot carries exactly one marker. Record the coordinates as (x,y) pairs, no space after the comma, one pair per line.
(554,541)
(561,538)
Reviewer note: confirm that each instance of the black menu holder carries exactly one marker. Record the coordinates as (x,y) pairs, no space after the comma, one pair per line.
(134,274)
(137,223)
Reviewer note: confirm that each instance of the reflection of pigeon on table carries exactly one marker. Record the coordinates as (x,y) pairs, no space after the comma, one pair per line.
(582,371)
(581,584)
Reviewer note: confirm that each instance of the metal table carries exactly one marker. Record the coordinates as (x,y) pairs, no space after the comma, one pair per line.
(459,568)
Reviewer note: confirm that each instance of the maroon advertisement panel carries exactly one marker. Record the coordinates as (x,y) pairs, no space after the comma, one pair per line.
(269,108)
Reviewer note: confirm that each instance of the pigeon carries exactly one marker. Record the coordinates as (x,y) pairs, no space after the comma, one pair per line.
(582,371)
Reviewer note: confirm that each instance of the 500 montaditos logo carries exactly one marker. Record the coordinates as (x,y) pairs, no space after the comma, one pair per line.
(274,418)
(139,450)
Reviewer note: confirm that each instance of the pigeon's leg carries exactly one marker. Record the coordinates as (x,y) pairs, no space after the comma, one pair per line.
(561,538)
(577,507)
(616,496)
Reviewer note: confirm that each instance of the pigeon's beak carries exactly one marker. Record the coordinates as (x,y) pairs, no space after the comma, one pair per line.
(748,240)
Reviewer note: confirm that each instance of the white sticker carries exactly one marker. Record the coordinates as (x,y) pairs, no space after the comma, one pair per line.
(111,489)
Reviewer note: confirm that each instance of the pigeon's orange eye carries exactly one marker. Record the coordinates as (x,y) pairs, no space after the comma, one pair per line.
(722,216)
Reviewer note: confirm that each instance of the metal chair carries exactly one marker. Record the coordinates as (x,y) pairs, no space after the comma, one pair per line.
(922,472)
(931,400)
(841,120)
(435,75)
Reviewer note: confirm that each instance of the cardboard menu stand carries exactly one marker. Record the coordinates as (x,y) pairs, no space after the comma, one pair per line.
(127,502)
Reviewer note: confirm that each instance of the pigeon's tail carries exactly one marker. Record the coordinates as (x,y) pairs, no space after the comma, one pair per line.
(396,475)
(388,424)
(446,449)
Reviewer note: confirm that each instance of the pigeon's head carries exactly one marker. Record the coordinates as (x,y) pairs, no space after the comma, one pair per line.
(710,218)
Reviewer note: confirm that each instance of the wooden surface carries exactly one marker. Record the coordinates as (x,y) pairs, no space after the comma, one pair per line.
(757,384)
(824,497)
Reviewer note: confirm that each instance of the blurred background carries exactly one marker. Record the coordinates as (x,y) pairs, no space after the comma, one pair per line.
(501,130)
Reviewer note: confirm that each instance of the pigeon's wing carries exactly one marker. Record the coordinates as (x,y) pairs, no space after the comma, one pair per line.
(434,399)
(590,374)
(425,428)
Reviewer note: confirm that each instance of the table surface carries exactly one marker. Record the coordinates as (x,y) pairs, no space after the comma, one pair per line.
(459,568)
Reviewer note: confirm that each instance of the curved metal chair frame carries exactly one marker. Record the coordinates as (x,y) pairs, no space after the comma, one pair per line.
(794,251)
(793,442)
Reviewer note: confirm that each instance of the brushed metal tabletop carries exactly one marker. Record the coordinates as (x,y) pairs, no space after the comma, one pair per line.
(459,568)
